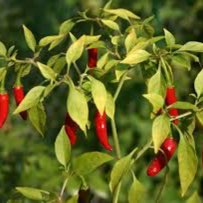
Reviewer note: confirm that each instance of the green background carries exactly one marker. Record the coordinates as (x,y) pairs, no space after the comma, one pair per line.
(26,159)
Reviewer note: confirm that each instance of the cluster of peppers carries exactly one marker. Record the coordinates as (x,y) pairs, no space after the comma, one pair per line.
(157,164)
(18,92)
(99,119)
(169,145)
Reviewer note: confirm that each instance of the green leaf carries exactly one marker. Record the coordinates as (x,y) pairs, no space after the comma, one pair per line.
(130,40)
(56,42)
(31,99)
(111,24)
(122,13)
(32,193)
(192,46)
(63,148)
(156,84)
(198,83)
(99,94)
(30,39)
(136,57)
(200,117)
(136,193)
(49,39)
(59,65)
(140,45)
(103,61)
(156,100)
(66,27)
(37,116)
(89,39)
(120,168)
(160,131)
(170,39)
(110,106)
(77,107)
(75,50)
(187,161)
(46,71)
(183,105)
(108,4)
(2,73)
(181,61)
(194,198)
(88,162)
(3,49)
(73,199)
(26,70)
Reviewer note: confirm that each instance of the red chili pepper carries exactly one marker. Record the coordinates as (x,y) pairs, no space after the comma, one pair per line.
(160,161)
(92,57)
(4,108)
(19,95)
(70,128)
(170,99)
(101,130)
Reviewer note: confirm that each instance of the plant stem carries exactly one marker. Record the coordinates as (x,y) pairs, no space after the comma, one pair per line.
(181,116)
(120,85)
(162,186)
(77,68)
(115,138)
(116,193)
(63,188)
(168,77)
(144,149)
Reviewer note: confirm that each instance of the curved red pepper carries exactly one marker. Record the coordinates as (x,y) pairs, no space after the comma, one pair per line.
(170,99)
(92,57)
(101,130)
(160,161)
(19,95)
(70,128)
(4,108)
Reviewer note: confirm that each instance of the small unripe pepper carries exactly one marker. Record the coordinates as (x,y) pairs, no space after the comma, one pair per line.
(4,108)
(168,148)
(101,130)
(92,57)
(71,128)
(170,99)
(19,95)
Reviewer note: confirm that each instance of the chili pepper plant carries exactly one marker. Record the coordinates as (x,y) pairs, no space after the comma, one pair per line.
(116,43)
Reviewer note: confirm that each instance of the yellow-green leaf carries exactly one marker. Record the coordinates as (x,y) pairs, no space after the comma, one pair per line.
(75,50)
(63,148)
(31,99)
(46,71)
(136,57)
(187,162)
(111,24)
(99,94)
(88,162)
(77,107)
(160,131)
(30,39)
(136,193)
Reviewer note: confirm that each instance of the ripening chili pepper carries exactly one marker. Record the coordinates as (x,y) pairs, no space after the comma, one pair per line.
(92,57)
(70,128)
(161,159)
(170,99)
(19,95)
(4,108)
(101,130)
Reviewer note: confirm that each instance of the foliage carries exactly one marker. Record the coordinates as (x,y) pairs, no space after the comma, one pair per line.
(125,49)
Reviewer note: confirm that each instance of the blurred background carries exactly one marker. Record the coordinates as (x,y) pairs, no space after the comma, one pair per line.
(26,159)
